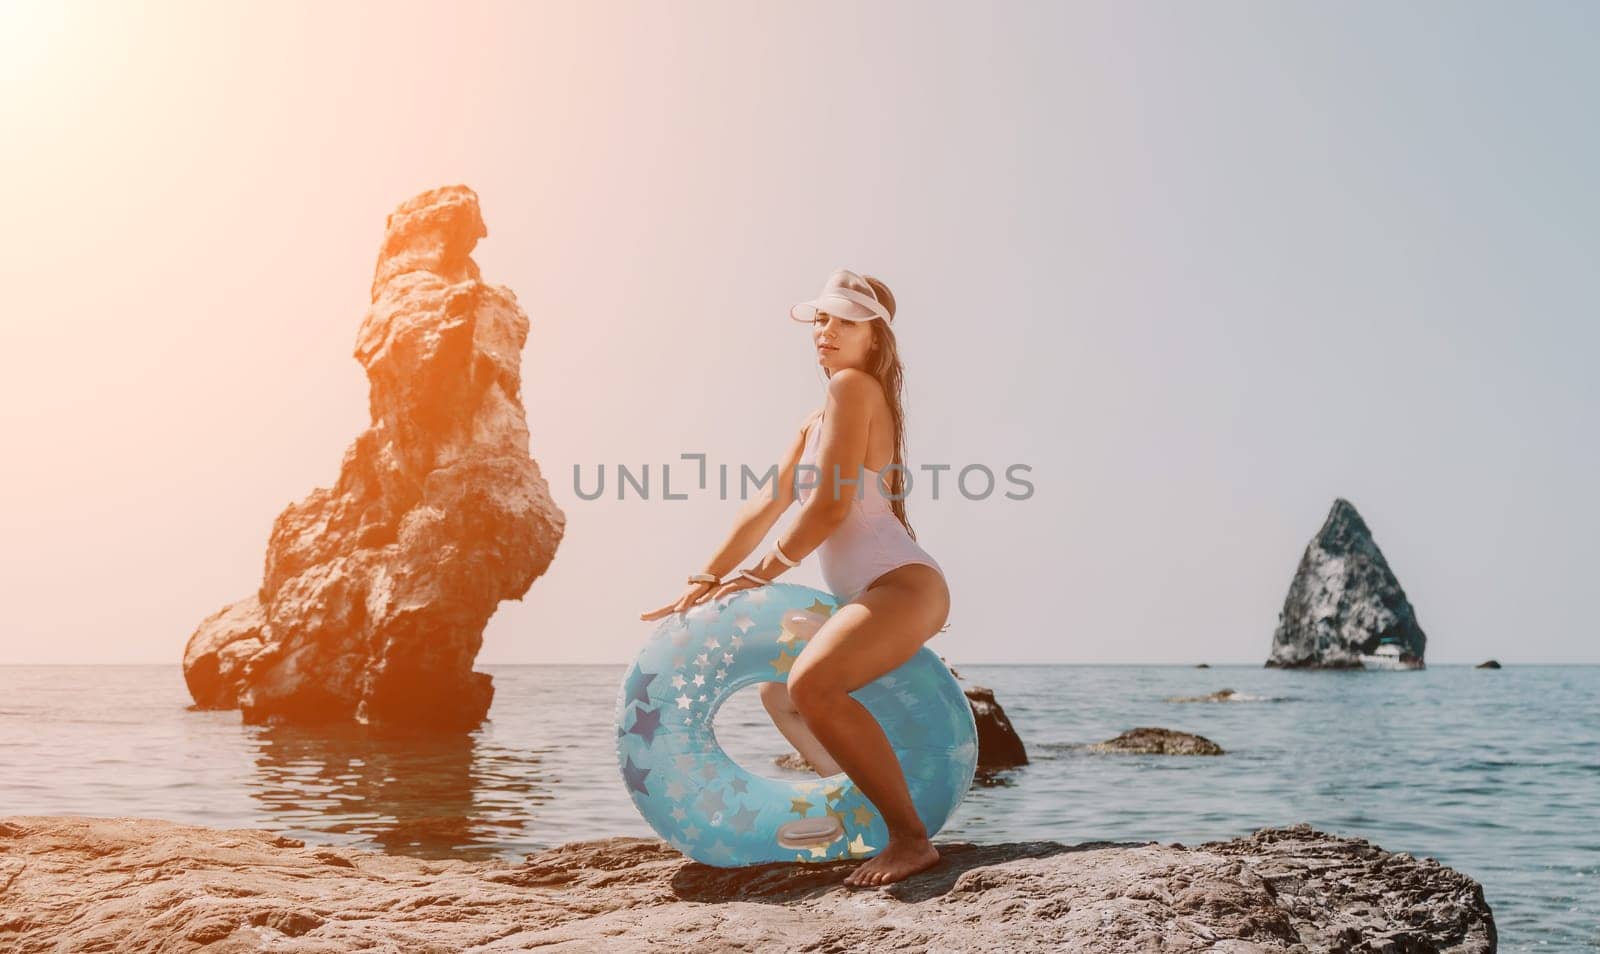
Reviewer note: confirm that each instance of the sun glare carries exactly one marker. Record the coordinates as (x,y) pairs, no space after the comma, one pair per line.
(31,33)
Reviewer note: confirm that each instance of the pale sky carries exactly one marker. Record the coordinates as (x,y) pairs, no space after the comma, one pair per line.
(1202,267)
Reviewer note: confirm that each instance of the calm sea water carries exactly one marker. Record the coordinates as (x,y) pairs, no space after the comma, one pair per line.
(1495,773)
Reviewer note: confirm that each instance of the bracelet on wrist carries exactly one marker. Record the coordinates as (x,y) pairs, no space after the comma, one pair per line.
(704,578)
(754,578)
(783,558)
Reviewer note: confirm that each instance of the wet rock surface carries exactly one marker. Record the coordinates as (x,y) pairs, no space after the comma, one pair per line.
(135,884)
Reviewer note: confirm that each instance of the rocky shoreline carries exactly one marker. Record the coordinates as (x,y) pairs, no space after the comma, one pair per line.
(86,883)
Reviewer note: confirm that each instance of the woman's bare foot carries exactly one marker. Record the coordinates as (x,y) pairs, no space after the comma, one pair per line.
(902,858)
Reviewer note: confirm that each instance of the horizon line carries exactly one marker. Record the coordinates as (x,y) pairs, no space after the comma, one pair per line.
(1208,665)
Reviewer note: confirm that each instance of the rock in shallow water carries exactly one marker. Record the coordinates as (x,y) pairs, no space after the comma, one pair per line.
(999,746)
(1221,695)
(794,762)
(1344,599)
(376,591)
(85,883)
(1148,740)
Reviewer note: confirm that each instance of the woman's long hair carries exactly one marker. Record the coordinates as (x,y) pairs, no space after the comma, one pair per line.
(886,367)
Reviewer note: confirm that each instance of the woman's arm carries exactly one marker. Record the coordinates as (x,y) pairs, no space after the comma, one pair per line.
(842,450)
(750,527)
(759,513)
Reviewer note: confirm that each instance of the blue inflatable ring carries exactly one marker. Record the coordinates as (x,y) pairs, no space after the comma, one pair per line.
(712,809)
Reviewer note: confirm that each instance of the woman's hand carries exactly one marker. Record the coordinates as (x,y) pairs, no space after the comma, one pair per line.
(733,586)
(696,594)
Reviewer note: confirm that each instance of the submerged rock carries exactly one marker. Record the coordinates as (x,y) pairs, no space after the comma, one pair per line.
(1343,601)
(376,591)
(1221,695)
(85,883)
(1148,740)
(1228,695)
(794,762)
(1487,664)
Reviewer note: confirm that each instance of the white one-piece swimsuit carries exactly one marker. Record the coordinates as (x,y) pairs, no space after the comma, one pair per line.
(871,540)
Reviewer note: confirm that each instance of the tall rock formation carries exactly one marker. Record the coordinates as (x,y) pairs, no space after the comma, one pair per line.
(1343,601)
(376,591)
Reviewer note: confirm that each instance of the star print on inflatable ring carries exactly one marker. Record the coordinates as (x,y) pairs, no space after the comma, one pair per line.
(710,808)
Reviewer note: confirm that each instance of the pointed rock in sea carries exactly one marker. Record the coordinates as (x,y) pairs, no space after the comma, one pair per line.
(1343,600)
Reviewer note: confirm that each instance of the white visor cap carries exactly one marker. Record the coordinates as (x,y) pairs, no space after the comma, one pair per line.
(845,294)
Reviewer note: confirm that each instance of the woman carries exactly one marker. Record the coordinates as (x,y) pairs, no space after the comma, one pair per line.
(893,595)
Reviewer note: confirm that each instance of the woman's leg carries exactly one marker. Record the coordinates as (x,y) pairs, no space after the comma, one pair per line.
(775,696)
(878,631)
